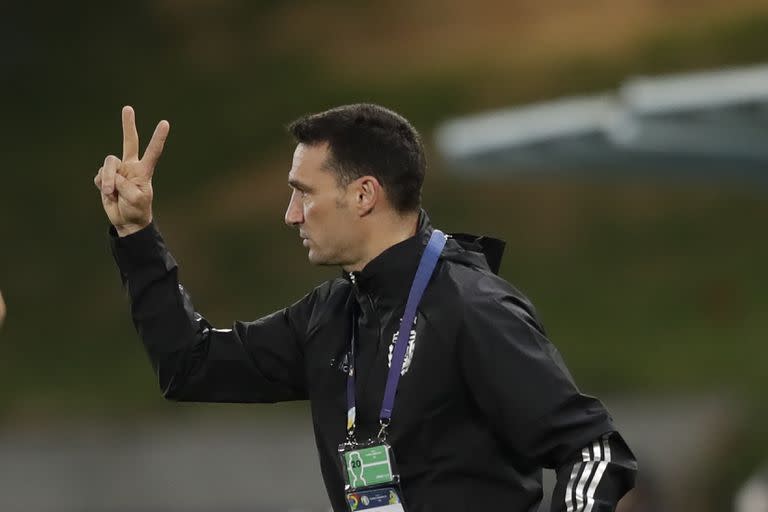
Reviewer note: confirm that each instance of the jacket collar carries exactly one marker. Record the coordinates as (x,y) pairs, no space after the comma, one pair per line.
(390,273)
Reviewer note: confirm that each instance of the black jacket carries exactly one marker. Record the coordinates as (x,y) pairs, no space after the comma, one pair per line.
(485,404)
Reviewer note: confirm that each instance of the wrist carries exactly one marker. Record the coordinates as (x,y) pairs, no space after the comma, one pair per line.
(129,229)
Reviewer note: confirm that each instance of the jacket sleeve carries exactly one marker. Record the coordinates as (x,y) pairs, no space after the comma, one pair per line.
(521,384)
(595,478)
(259,361)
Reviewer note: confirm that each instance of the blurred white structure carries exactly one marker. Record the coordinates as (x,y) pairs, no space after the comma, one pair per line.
(753,496)
(714,122)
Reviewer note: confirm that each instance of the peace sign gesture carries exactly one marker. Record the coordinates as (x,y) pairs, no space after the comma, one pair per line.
(126,185)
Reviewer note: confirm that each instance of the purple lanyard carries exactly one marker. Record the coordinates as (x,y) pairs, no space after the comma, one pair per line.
(427,266)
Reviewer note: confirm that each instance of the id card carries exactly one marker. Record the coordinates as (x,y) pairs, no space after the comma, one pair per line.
(368,466)
(370,477)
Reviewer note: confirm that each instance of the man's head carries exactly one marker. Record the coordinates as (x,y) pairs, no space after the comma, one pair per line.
(356,170)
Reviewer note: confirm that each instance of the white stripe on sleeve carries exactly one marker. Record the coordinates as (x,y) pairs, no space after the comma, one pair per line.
(570,506)
(590,501)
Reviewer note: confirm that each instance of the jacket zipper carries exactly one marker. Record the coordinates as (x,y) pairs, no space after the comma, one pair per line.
(364,380)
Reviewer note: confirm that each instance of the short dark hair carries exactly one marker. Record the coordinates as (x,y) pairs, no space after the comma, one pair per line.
(367,139)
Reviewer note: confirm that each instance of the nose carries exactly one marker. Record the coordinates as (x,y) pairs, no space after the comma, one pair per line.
(294,214)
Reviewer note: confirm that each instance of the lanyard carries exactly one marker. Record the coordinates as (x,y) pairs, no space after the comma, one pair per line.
(424,272)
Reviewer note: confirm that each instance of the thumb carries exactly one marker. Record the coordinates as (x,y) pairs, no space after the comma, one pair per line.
(126,189)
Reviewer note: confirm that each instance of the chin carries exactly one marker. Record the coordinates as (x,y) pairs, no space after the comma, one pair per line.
(319,259)
(314,258)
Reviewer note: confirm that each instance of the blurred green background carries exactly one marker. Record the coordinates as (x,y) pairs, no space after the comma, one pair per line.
(647,287)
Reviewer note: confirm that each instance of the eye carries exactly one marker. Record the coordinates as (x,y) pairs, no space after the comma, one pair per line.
(300,192)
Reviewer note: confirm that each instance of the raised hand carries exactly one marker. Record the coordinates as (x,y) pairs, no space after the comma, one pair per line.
(126,185)
(2,310)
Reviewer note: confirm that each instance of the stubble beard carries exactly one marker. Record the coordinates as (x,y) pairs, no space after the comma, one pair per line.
(328,260)
(335,258)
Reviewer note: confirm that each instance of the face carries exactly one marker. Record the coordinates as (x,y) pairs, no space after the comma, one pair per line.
(322,211)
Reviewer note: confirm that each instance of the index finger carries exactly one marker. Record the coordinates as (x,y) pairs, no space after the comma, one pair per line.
(130,135)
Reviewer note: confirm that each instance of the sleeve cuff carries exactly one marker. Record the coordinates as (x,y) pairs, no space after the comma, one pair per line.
(140,248)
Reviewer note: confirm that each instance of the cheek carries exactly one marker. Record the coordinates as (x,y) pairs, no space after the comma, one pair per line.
(316,216)
(308,206)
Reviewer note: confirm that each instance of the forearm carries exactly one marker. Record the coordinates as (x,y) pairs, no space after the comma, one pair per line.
(595,479)
(161,312)
(252,362)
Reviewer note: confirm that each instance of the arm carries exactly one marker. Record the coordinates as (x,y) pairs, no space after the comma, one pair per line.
(521,384)
(258,361)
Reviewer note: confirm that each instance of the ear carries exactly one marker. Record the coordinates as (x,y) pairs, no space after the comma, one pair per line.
(368,194)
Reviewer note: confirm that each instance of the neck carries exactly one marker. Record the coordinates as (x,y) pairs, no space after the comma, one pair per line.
(398,229)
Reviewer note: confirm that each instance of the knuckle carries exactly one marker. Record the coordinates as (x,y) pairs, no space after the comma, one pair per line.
(111,160)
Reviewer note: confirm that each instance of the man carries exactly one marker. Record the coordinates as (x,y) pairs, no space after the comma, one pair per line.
(483,402)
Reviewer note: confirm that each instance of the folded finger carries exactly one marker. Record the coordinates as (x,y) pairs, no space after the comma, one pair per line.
(108,174)
(97,178)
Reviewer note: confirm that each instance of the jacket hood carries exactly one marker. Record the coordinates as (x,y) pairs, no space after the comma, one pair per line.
(472,250)
(478,251)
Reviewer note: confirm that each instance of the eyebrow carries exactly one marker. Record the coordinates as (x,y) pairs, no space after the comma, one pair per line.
(299,185)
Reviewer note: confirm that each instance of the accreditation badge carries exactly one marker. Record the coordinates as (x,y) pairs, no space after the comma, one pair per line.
(371,481)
